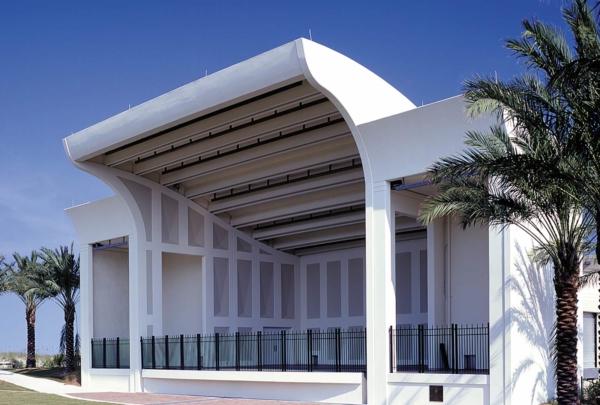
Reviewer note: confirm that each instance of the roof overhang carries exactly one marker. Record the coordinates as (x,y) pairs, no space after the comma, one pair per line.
(271,145)
(362,95)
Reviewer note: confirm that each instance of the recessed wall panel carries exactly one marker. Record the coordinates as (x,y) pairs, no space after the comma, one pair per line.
(313,291)
(244,288)
(243,246)
(334,296)
(403,283)
(195,228)
(266,290)
(220,237)
(169,219)
(221,286)
(423,280)
(288,291)
(356,287)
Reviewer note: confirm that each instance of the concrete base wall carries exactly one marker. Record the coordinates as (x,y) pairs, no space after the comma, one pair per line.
(458,389)
(346,388)
(106,380)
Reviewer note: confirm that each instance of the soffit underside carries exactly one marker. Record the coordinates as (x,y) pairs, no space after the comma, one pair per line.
(282,167)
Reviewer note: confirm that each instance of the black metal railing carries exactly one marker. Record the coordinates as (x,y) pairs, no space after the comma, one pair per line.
(454,349)
(335,351)
(110,353)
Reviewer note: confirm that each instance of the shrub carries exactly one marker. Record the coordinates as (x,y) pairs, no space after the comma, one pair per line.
(55,361)
(591,393)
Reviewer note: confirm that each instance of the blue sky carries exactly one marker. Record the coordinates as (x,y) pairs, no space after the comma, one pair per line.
(65,65)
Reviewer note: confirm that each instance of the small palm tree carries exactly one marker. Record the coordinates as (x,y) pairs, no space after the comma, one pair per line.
(531,178)
(61,279)
(21,279)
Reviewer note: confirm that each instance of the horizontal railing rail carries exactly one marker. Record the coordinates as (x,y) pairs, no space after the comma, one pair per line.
(333,350)
(453,349)
(110,353)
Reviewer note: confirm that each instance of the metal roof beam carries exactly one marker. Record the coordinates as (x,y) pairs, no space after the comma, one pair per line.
(312,156)
(219,119)
(212,144)
(310,225)
(288,189)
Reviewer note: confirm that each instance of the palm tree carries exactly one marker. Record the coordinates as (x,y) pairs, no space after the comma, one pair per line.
(532,178)
(61,278)
(21,279)
(3,275)
(577,79)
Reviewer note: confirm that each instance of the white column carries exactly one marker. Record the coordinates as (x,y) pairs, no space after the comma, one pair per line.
(380,295)
(436,298)
(499,317)
(87,310)
(137,266)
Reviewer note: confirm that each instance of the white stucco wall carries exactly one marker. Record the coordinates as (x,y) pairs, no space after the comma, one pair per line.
(468,274)
(111,294)
(182,294)
(531,315)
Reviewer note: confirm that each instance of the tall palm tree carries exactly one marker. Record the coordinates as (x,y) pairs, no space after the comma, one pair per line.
(532,178)
(577,79)
(61,278)
(21,276)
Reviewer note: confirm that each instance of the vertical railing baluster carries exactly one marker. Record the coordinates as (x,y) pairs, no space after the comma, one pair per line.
(455,348)
(283,349)
(309,350)
(118,353)
(487,350)
(181,363)
(167,352)
(103,352)
(259,351)
(237,351)
(141,352)
(391,343)
(364,356)
(338,350)
(94,360)
(216,351)
(420,350)
(198,352)
(153,352)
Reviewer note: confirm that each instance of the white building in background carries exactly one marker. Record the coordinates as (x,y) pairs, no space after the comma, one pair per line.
(264,221)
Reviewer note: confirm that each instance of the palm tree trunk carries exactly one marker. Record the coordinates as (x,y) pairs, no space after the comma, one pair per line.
(30,319)
(566,284)
(69,310)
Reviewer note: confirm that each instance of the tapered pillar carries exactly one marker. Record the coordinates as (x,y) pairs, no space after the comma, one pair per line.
(499,316)
(86,253)
(137,262)
(380,295)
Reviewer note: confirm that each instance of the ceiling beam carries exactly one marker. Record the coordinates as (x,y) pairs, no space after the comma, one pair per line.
(309,203)
(317,224)
(234,117)
(347,232)
(313,156)
(267,150)
(318,182)
(210,145)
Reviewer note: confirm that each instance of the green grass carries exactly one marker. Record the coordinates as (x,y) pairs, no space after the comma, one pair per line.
(14,395)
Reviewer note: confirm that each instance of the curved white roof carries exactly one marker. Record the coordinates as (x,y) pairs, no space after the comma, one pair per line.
(360,95)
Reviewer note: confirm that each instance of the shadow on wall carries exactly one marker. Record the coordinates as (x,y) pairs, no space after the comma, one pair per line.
(533,316)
